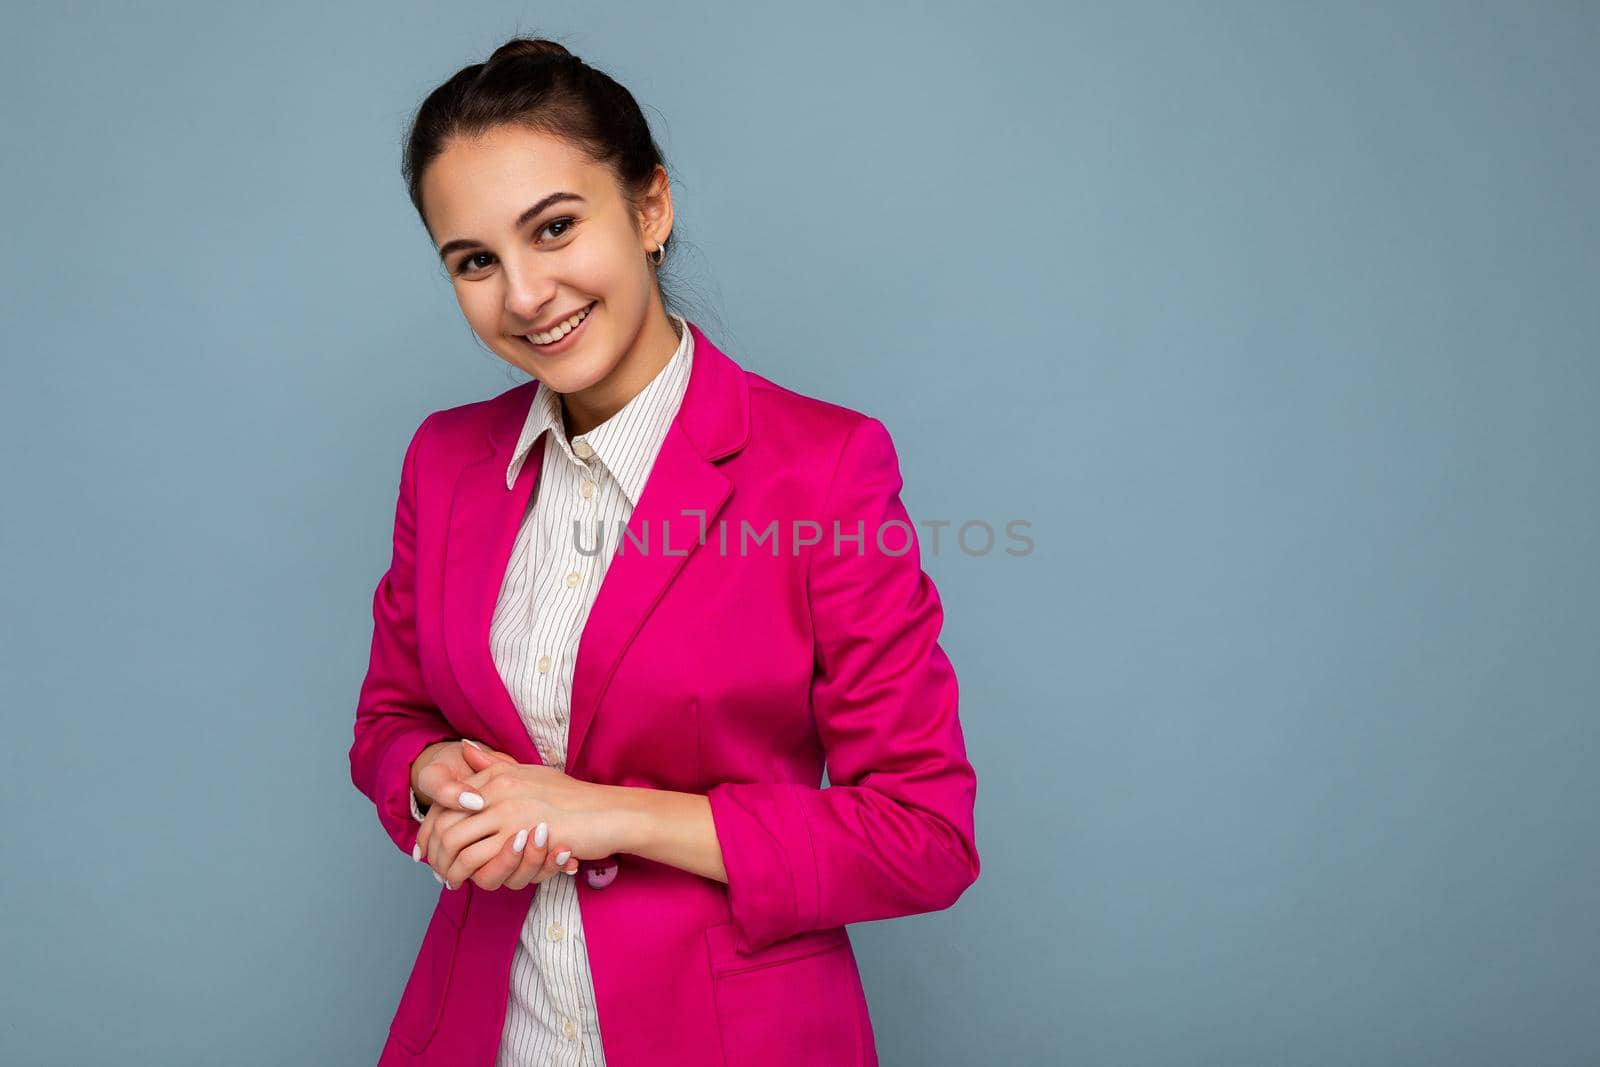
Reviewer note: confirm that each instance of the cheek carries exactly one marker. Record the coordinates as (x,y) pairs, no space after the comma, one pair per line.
(480,303)
(604,262)
(591,269)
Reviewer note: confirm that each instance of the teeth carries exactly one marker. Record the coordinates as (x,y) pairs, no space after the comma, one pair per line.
(560,331)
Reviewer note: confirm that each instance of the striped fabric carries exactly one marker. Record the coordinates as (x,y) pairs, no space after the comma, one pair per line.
(594,480)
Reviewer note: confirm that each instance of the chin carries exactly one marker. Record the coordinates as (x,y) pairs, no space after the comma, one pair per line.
(570,377)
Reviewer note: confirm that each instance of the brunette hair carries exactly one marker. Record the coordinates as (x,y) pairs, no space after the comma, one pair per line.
(539,85)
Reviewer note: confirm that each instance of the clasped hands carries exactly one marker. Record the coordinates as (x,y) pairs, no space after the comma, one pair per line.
(504,823)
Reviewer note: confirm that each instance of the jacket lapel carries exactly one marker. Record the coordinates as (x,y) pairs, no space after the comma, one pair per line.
(684,484)
(641,569)
(484,520)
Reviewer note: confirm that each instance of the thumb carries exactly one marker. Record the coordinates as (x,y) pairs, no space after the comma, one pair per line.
(460,794)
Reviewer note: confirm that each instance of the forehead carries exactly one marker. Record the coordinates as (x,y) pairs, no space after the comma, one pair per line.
(480,184)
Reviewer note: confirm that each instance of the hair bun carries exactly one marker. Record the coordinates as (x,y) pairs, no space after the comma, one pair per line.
(529,48)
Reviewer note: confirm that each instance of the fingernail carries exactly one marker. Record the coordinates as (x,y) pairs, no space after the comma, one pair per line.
(541,835)
(473,743)
(472,801)
(416,852)
(563,856)
(436,878)
(573,871)
(521,839)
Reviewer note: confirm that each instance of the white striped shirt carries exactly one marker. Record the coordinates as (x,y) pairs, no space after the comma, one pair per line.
(549,586)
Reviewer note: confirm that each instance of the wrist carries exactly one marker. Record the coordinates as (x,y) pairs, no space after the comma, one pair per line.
(636,817)
(669,827)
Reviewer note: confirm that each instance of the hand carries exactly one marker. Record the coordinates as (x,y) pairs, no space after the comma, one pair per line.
(519,797)
(441,777)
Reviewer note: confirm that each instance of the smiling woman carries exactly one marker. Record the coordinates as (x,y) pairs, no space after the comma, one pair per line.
(659,721)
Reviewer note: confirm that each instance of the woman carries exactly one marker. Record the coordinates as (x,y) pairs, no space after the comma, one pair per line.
(633,606)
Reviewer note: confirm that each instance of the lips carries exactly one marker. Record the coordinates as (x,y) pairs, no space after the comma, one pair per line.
(584,311)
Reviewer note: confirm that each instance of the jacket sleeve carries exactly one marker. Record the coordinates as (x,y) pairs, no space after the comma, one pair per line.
(395,717)
(893,833)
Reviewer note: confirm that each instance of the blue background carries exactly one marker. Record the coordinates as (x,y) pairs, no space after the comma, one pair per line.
(1277,321)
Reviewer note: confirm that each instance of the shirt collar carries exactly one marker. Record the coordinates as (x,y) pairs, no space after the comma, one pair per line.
(626,443)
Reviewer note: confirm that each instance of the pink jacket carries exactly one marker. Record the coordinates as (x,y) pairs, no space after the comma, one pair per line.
(703,669)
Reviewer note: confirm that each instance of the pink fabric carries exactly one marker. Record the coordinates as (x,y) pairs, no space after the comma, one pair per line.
(702,670)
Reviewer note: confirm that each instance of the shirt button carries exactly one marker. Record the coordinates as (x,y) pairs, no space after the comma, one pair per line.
(568,1029)
(544,664)
(555,931)
(572,579)
(588,489)
(583,449)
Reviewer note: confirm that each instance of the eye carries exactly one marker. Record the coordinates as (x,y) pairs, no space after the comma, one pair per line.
(565,221)
(465,266)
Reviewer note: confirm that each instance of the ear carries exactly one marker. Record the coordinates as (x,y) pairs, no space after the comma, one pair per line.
(655,213)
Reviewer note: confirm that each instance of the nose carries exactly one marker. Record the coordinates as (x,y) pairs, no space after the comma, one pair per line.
(529,295)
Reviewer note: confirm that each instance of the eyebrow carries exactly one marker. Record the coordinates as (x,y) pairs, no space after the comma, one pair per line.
(523,219)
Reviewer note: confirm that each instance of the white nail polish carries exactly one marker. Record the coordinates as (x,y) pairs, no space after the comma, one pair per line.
(574,871)
(563,856)
(521,839)
(436,878)
(416,852)
(472,801)
(541,836)
(473,743)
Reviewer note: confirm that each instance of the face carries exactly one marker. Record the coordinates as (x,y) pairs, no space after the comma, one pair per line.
(532,232)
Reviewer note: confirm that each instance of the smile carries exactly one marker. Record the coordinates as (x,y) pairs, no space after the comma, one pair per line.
(562,336)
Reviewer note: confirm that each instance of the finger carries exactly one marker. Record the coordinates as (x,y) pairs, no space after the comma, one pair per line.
(439,857)
(480,856)
(533,857)
(462,794)
(477,757)
(494,753)
(548,868)
(561,860)
(448,840)
(493,874)
(420,852)
(462,832)
(442,780)
(433,823)
(429,779)
(485,750)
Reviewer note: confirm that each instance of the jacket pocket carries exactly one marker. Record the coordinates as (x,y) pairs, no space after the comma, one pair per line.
(795,1003)
(422,1003)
